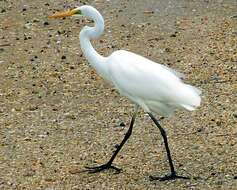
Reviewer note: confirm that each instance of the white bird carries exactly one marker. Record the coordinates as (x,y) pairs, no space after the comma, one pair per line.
(152,86)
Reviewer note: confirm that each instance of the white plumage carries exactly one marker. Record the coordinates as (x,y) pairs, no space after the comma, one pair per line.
(156,88)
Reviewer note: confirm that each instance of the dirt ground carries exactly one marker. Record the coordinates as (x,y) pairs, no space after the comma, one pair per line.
(58,116)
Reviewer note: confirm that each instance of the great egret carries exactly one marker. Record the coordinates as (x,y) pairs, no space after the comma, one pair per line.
(154,87)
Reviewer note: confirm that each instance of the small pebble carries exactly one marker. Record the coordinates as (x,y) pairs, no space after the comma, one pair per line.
(199,130)
(122,124)
(46,23)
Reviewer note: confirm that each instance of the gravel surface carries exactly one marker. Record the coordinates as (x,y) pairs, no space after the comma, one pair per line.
(58,116)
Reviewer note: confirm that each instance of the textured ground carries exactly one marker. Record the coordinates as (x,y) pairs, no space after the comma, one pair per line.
(57,115)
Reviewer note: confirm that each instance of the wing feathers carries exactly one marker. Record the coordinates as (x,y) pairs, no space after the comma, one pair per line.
(150,84)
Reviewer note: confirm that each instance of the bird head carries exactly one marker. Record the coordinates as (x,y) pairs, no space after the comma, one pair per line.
(89,12)
(84,10)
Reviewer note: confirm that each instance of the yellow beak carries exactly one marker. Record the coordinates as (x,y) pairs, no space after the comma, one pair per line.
(63,14)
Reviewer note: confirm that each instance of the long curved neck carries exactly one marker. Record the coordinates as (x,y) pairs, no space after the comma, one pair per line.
(87,33)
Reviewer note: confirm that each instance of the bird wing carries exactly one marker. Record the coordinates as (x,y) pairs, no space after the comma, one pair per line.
(141,77)
(143,80)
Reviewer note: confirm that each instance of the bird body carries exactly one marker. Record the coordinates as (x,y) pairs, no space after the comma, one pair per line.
(152,86)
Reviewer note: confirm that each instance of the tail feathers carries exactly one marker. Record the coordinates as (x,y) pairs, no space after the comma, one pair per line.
(198,91)
(188,107)
(193,99)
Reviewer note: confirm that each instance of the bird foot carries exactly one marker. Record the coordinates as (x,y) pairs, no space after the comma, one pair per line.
(102,168)
(172,176)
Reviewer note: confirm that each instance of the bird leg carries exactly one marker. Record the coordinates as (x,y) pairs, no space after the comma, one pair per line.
(173,174)
(108,165)
(102,167)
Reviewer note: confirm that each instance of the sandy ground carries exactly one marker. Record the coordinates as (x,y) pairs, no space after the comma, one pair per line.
(58,116)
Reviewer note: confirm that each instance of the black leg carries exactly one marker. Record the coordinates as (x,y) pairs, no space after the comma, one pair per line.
(173,175)
(108,165)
